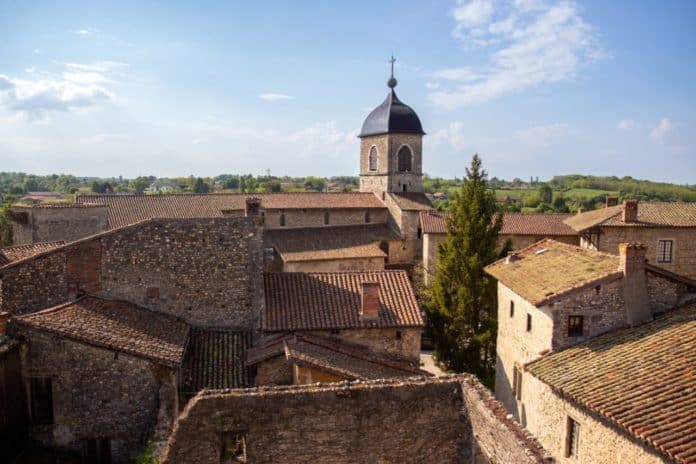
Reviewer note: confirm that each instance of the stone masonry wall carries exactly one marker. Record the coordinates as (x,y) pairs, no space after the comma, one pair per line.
(336,265)
(663,294)
(546,417)
(205,271)
(445,420)
(385,422)
(96,393)
(315,217)
(382,340)
(684,247)
(35,284)
(47,224)
(274,371)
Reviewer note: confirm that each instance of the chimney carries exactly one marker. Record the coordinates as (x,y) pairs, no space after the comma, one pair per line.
(635,285)
(612,201)
(252,207)
(3,322)
(630,211)
(511,257)
(369,301)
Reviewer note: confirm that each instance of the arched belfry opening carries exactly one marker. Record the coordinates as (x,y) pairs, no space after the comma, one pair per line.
(405,159)
(372,159)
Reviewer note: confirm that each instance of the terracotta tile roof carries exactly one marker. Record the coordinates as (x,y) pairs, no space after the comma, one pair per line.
(267,348)
(642,379)
(349,361)
(56,205)
(17,252)
(115,325)
(331,300)
(658,214)
(317,243)
(215,360)
(538,224)
(547,270)
(128,209)
(412,201)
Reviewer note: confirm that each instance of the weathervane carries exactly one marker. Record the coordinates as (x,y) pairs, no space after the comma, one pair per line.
(392,81)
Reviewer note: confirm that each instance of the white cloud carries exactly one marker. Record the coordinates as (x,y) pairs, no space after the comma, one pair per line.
(86,31)
(626,124)
(540,136)
(273,97)
(452,136)
(658,133)
(472,13)
(80,86)
(531,43)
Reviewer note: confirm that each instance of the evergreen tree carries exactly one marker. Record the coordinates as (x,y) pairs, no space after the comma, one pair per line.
(199,186)
(462,311)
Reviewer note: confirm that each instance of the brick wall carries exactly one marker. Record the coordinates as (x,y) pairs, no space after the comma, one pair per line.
(96,393)
(545,415)
(343,423)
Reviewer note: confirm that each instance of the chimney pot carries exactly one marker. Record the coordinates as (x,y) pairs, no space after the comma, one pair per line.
(635,285)
(4,316)
(612,201)
(369,301)
(630,211)
(252,206)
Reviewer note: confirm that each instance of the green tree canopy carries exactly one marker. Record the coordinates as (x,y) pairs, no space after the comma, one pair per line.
(462,311)
(200,186)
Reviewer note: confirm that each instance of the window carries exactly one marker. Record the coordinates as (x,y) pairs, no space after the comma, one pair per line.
(41,390)
(326,218)
(597,289)
(529,322)
(419,233)
(517,383)
(404,188)
(512,308)
(572,438)
(335,331)
(234,447)
(398,335)
(664,251)
(282,220)
(96,451)
(367,217)
(404,159)
(575,326)
(372,159)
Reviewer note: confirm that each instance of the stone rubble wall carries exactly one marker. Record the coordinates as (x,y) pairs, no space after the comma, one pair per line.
(444,420)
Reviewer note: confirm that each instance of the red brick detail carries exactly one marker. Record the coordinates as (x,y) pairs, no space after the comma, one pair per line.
(369,301)
(83,264)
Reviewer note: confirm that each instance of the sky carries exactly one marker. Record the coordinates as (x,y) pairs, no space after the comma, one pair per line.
(536,87)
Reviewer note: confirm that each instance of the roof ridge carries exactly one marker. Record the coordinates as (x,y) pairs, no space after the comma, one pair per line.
(51,309)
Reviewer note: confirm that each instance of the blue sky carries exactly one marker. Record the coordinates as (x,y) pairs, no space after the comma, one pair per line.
(537,87)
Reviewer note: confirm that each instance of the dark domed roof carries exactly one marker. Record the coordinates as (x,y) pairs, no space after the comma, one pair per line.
(392,116)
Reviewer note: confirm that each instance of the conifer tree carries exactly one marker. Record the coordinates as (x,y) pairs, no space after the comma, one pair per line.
(462,311)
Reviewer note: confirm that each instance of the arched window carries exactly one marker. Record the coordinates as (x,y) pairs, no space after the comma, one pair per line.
(404,160)
(372,159)
(326,218)
(282,219)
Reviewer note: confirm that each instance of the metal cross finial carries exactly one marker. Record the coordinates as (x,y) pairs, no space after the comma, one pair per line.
(392,81)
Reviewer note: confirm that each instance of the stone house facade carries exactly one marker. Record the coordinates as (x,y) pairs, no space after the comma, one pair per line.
(552,295)
(668,230)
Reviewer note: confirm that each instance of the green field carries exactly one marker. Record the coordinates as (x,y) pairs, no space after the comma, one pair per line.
(584,193)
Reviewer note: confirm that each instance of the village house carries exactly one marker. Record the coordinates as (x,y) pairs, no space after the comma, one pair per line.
(337,326)
(667,229)
(520,229)
(552,296)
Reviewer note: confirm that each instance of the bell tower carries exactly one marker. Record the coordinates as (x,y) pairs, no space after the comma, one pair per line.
(391,146)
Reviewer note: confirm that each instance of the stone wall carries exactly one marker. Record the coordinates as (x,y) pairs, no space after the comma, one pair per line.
(382,340)
(386,422)
(387,178)
(205,271)
(274,371)
(315,217)
(445,420)
(336,265)
(545,415)
(13,408)
(48,224)
(663,293)
(523,241)
(97,393)
(684,248)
